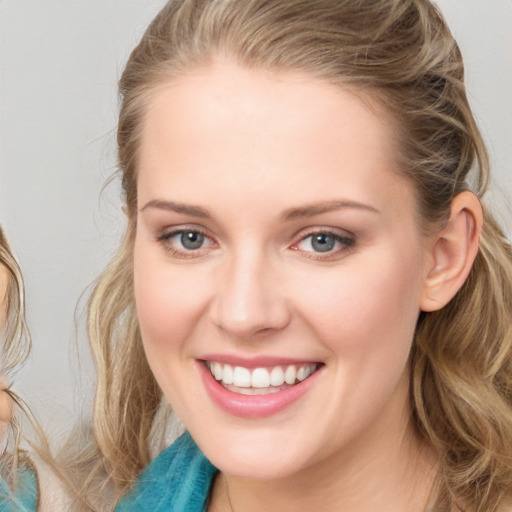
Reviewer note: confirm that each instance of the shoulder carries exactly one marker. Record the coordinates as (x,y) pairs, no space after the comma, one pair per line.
(179,479)
(22,494)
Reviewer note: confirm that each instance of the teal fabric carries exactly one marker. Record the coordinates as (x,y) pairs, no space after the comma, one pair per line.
(24,496)
(178,480)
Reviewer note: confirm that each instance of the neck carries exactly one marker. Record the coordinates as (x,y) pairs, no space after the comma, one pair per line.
(391,476)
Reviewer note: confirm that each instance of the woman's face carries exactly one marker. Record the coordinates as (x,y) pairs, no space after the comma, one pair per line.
(3,293)
(276,242)
(5,401)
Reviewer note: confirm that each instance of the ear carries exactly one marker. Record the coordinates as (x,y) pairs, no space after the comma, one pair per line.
(124,208)
(452,250)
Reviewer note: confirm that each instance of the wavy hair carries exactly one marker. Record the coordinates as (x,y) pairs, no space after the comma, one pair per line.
(14,349)
(401,53)
(16,339)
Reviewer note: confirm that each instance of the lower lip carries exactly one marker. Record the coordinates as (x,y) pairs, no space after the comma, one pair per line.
(254,406)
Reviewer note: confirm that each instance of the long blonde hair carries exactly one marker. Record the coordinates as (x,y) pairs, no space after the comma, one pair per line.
(16,339)
(402,53)
(14,349)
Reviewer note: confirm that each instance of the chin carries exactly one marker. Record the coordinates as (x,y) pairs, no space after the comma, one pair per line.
(256,455)
(257,469)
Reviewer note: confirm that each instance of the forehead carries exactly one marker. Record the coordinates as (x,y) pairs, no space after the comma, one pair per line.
(246,129)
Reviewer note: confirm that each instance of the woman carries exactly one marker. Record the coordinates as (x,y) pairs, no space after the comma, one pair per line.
(18,482)
(308,276)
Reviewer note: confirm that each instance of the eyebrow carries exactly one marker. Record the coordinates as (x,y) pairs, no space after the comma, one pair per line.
(324,207)
(188,209)
(290,214)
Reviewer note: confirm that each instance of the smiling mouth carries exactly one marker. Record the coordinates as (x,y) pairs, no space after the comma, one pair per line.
(260,381)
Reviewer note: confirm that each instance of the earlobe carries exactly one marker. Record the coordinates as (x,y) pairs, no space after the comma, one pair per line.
(453,250)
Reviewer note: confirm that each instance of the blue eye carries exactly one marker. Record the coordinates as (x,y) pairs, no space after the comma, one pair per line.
(324,242)
(191,240)
(186,243)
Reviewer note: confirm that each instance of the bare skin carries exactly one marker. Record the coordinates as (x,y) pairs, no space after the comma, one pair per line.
(5,400)
(391,482)
(243,175)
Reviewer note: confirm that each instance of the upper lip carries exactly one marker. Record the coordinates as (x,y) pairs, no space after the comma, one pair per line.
(256,362)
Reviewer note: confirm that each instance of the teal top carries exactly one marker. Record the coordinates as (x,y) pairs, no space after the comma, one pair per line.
(24,496)
(178,480)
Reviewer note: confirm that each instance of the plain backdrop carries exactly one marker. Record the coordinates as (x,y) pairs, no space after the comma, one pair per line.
(59,65)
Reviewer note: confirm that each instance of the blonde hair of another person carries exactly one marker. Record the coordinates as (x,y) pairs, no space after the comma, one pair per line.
(20,452)
(14,349)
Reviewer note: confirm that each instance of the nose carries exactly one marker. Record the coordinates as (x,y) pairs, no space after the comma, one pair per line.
(249,299)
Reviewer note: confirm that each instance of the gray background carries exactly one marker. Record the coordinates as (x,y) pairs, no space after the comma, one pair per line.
(59,64)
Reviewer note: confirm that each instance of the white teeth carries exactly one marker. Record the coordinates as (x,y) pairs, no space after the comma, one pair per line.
(290,374)
(277,376)
(305,371)
(301,373)
(227,374)
(242,377)
(260,378)
(217,370)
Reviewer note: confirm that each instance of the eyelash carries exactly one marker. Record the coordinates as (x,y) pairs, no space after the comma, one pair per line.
(165,239)
(345,244)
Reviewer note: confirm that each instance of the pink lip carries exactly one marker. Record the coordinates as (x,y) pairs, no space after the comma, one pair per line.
(253,406)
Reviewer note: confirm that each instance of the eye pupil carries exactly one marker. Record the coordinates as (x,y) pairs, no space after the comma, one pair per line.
(192,240)
(322,242)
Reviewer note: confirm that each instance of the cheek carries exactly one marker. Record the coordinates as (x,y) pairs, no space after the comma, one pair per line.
(365,317)
(169,300)
(369,306)
(5,408)
(3,294)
